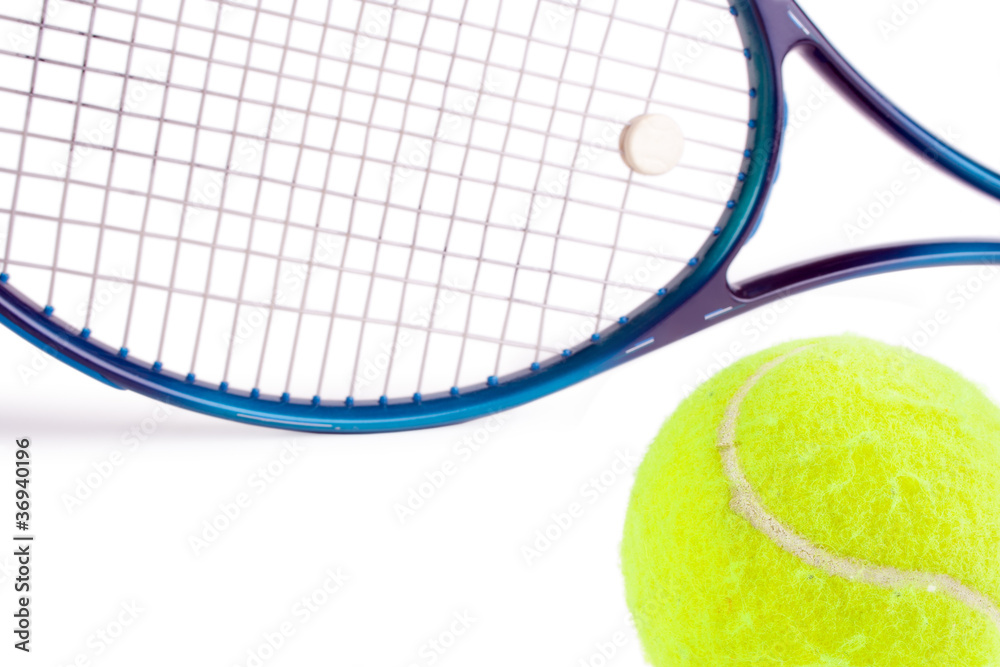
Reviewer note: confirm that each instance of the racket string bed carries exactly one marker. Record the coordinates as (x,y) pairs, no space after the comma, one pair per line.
(398,200)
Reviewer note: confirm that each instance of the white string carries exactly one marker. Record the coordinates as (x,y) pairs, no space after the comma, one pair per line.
(451,219)
(489,214)
(538,180)
(152,178)
(111,170)
(409,263)
(284,231)
(225,181)
(664,206)
(414,103)
(309,311)
(562,215)
(628,185)
(69,165)
(250,68)
(23,133)
(387,163)
(312,254)
(187,197)
(370,288)
(485,260)
(339,286)
(410,10)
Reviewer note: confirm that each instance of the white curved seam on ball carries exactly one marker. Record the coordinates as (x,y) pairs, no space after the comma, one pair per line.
(746,503)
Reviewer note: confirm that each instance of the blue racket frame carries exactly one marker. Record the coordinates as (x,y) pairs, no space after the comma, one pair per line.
(698,298)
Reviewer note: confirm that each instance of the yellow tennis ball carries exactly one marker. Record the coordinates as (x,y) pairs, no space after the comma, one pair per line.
(830,502)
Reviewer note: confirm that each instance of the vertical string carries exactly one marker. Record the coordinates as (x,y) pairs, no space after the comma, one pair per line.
(111,167)
(350,224)
(534,194)
(631,174)
(569,182)
(291,200)
(24,134)
(152,177)
(72,149)
(493,197)
(480,294)
(451,220)
(185,207)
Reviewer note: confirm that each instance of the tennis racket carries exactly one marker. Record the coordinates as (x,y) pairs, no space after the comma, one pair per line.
(362,215)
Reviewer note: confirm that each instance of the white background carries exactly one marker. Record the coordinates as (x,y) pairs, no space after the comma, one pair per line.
(334,506)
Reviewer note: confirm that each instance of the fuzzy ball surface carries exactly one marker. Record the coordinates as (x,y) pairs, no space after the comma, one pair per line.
(831,502)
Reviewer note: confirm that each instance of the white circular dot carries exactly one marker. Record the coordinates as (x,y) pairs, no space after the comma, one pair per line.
(652,144)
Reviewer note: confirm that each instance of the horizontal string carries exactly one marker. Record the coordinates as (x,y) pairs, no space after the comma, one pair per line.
(324,314)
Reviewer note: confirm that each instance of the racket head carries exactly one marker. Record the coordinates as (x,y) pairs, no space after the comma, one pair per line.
(665,317)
